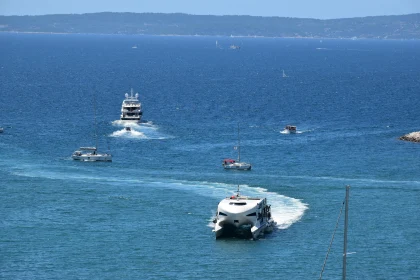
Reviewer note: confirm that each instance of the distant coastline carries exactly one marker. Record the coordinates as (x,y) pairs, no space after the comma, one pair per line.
(216,36)
(403,27)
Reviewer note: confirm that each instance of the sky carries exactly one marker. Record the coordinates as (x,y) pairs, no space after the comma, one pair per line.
(319,9)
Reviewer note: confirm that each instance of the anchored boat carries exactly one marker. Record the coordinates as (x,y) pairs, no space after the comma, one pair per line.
(91,153)
(240,214)
(236,165)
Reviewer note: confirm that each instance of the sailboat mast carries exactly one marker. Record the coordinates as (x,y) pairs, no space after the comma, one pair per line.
(346,219)
(239,147)
(94,117)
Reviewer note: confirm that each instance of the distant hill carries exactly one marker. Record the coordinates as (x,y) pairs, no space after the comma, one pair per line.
(382,27)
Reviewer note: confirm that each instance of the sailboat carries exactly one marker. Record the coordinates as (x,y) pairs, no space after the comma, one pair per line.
(284,75)
(229,163)
(346,222)
(91,153)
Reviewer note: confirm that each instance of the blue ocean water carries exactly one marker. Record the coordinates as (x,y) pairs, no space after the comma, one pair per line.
(147,215)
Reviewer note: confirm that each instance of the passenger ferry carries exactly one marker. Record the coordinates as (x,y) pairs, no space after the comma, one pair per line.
(243,215)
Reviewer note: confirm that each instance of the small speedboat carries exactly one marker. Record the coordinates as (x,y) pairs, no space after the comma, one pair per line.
(290,128)
(244,216)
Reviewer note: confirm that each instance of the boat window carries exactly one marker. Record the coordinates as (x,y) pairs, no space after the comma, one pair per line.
(238,203)
(252,214)
(222,214)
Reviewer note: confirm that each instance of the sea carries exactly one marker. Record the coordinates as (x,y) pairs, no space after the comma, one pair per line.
(148,214)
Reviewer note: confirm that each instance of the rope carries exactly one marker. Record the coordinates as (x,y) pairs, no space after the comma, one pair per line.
(332,239)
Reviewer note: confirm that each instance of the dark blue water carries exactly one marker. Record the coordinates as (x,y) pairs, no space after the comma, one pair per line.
(147,215)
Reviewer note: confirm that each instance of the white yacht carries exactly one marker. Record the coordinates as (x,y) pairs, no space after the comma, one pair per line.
(131,108)
(90,154)
(229,163)
(243,215)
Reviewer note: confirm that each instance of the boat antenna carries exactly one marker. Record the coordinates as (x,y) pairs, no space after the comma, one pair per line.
(237,193)
(345,203)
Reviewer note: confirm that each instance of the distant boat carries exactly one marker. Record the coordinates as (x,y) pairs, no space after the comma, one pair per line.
(248,215)
(131,108)
(127,128)
(284,75)
(234,47)
(1,129)
(91,153)
(236,165)
(134,47)
(291,128)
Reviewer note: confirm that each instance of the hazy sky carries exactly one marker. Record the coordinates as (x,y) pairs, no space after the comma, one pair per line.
(322,9)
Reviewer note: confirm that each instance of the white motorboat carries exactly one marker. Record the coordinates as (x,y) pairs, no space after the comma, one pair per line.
(290,128)
(131,108)
(236,164)
(90,154)
(243,215)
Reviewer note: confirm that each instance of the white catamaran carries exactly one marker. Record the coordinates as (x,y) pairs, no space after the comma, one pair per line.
(248,216)
(91,153)
(229,163)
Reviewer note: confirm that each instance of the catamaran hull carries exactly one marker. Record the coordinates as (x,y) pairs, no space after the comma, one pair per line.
(243,216)
(237,166)
(247,230)
(93,158)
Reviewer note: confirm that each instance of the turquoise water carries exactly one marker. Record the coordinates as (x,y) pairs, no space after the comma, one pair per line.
(147,215)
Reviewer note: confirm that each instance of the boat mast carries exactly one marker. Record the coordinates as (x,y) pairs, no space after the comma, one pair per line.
(346,220)
(345,205)
(94,117)
(239,146)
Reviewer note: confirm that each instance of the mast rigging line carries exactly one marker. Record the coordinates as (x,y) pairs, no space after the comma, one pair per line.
(332,239)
